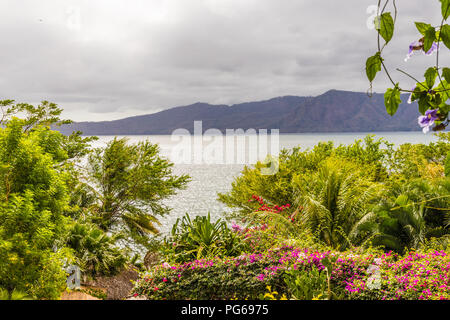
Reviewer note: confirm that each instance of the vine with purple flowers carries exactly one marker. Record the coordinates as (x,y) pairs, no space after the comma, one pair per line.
(431,94)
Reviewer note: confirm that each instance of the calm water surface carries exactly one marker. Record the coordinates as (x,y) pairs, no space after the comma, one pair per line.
(208,179)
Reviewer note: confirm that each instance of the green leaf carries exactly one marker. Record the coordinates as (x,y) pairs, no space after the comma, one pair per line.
(445,108)
(446,74)
(422,27)
(392,100)
(430,37)
(416,92)
(445,35)
(373,66)
(386,26)
(430,77)
(423,104)
(445,6)
(443,85)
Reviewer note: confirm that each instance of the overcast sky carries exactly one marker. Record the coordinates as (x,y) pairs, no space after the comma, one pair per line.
(108,59)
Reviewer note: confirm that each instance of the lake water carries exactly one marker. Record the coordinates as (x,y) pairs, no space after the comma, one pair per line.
(200,196)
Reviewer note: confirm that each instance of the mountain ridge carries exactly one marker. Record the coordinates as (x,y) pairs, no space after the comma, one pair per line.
(332,111)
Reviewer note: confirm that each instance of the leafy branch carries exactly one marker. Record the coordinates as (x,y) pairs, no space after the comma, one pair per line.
(431,96)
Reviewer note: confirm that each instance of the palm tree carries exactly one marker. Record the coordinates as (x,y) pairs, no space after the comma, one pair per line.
(128,184)
(335,200)
(411,213)
(95,251)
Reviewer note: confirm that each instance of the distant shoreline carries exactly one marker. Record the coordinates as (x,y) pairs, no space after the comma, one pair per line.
(281,134)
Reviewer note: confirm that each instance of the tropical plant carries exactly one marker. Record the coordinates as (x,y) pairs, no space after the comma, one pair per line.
(410,214)
(307,284)
(200,238)
(15,295)
(422,274)
(95,252)
(127,184)
(334,201)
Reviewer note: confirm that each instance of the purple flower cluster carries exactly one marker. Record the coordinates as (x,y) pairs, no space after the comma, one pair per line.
(428,119)
(418,46)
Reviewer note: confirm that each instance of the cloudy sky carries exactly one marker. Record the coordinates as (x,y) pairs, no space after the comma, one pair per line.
(108,59)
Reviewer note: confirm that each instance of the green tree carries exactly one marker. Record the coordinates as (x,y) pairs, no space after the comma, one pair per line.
(35,166)
(373,155)
(45,114)
(129,182)
(32,222)
(334,201)
(276,188)
(410,161)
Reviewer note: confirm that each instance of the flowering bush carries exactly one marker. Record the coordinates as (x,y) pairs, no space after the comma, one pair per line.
(244,277)
(414,276)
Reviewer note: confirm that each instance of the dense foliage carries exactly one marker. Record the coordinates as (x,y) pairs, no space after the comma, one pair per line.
(33,200)
(329,221)
(359,221)
(55,213)
(354,195)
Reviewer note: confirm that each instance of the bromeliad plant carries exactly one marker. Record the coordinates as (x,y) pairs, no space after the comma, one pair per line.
(201,238)
(433,92)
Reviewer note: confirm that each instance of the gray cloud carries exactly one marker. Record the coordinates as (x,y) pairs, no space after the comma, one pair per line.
(107,59)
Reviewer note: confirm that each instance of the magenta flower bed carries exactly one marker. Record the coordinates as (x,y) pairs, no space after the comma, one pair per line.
(415,276)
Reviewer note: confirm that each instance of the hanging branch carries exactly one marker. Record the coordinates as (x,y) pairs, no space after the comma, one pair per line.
(432,100)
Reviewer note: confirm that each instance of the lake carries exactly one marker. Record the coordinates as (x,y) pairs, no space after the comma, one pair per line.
(208,179)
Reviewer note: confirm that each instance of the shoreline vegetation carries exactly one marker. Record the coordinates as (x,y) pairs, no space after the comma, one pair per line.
(365,221)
